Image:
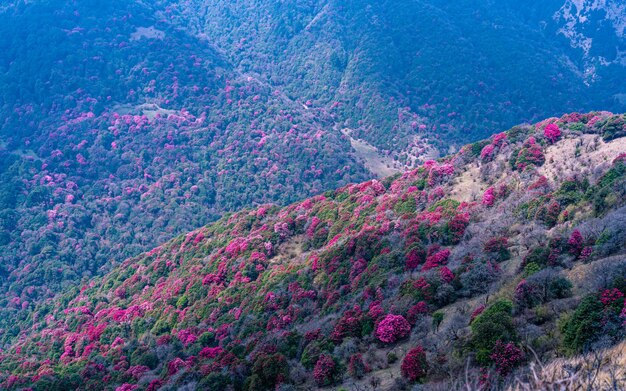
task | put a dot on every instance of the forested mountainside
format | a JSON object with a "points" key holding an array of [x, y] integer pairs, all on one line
{"points": [[126, 123], [120, 131], [465, 68], [469, 267]]}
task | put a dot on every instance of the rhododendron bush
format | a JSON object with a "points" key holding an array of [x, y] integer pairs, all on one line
{"points": [[506, 357], [324, 370], [392, 328], [552, 132], [414, 365]]}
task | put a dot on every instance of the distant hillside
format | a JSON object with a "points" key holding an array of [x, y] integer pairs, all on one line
{"points": [[405, 73], [511, 250], [120, 131]]}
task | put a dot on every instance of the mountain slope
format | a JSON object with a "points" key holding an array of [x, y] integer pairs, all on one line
{"points": [[126, 123], [430, 71], [329, 290], [127, 131]]}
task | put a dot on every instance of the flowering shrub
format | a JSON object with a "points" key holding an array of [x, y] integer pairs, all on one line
{"points": [[446, 275], [526, 295], [456, 227], [356, 367], [552, 132], [270, 369], [176, 365], [239, 300], [414, 366], [488, 197], [585, 254], [530, 154], [416, 311], [611, 296], [349, 325], [497, 249], [414, 258], [437, 259], [392, 328], [575, 242], [487, 152], [505, 357], [324, 370]]}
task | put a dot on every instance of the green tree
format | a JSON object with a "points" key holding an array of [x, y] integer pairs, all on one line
{"points": [[495, 323]]}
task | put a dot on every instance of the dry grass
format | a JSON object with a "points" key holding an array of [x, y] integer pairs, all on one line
{"points": [[379, 165], [593, 371], [580, 155]]}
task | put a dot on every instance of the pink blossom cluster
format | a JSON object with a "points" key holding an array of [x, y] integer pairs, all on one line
{"points": [[375, 310], [414, 365], [187, 337], [392, 328], [505, 357], [423, 287], [487, 152], [610, 296], [324, 370], [416, 311], [576, 242], [175, 366], [552, 132], [446, 275], [488, 197], [210, 352], [437, 259]]}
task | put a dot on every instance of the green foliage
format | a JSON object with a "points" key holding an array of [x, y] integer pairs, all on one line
{"points": [[405, 206], [530, 269], [207, 339], [560, 288], [313, 350], [182, 302], [267, 371], [610, 191], [613, 127], [478, 146], [538, 256], [215, 381], [495, 323], [162, 326], [448, 206], [144, 356], [583, 326], [570, 192], [437, 319]]}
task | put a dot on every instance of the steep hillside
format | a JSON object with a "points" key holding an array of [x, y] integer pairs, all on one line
{"points": [[126, 123], [597, 29], [512, 247], [120, 131]]}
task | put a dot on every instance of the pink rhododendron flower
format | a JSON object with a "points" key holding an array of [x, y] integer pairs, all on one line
{"points": [[392, 328], [414, 365], [505, 357], [488, 197], [552, 132]]}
